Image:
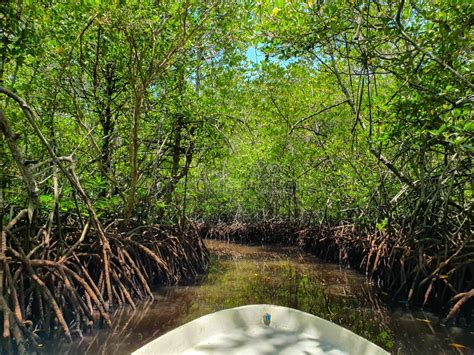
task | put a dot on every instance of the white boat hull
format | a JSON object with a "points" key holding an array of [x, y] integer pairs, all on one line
{"points": [[242, 330]]}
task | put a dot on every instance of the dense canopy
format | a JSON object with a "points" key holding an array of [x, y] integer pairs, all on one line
{"points": [[309, 113]]}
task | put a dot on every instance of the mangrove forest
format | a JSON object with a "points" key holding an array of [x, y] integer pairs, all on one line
{"points": [[147, 144]]}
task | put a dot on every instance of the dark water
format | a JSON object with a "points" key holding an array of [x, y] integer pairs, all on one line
{"points": [[241, 275]]}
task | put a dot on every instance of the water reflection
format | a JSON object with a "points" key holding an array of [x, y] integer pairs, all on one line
{"points": [[241, 275], [286, 282]]}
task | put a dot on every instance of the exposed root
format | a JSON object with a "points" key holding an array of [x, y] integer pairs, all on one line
{"points": [[419, 270], [461, 298], [68, 280]]}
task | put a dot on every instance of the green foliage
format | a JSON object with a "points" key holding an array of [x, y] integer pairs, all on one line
{"points": [[358, 112], [405, 75]]}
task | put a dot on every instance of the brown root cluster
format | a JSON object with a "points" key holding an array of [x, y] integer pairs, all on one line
{"points": [[60, 287], [433, 270]]}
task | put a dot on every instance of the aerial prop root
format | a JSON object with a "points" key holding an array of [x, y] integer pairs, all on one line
{"points": [[70, 283], [420, 268]]}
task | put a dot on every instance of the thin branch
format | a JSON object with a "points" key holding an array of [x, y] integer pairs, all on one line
{"points": [[316, 114]]}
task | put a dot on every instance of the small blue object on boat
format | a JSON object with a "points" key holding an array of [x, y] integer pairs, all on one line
{"points": [[267, 318]]}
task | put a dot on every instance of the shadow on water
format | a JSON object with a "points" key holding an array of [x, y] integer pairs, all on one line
{"points": [[240, 275]]}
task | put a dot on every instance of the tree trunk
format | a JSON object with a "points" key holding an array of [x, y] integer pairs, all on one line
{"points": [[3, 235], [24, 168], [108, 124], [134, 151]]}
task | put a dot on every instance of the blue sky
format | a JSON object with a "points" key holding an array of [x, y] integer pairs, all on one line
{"points": [[255, 55]]}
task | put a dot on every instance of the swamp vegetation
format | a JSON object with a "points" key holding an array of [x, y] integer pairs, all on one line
{"points": [[130, 130], [240, 274]]}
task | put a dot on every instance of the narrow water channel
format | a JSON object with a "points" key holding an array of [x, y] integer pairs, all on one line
{"points": [[240, 275]]}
